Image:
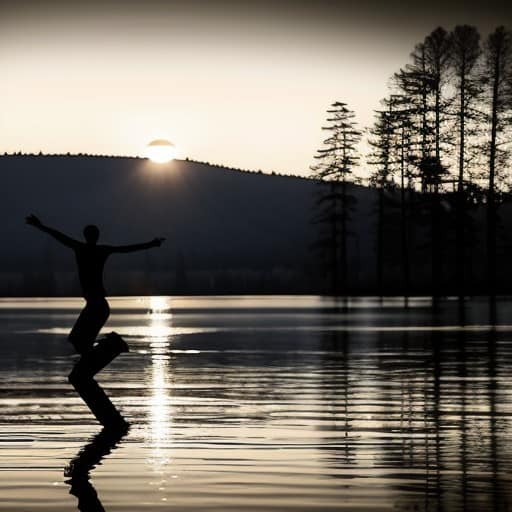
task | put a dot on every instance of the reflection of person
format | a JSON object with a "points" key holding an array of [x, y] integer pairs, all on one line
{"points": [[90, 456], [91, 258]]}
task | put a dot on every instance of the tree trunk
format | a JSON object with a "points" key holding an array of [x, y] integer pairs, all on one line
{"points": [[343, 240], [491, 198], [380, 242], [460, 214], [403, 220]]}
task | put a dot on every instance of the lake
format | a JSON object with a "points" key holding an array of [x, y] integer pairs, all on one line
{"points": [[262, 404]]}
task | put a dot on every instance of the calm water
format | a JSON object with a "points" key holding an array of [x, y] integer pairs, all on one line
{"points": [[263, 404]]}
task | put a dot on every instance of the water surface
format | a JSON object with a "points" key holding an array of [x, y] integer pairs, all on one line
{"points": [[263, 404]]}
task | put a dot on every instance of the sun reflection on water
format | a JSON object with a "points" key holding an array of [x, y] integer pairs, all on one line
{"points": [[160, 409]]}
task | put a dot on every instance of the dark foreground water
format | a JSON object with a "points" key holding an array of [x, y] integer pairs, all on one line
{"points": [[262, 404]]}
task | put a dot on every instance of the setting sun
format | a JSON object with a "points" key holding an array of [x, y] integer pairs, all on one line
{"points": [[161, 151]]}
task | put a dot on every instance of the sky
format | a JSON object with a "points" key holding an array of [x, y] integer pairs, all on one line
{"points": [[241, 84]]}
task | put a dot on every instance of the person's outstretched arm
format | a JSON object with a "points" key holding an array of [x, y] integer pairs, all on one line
{"points": [[156, 242], [32, 220]]}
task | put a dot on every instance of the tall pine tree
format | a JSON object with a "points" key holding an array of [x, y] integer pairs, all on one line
{"points": [[335, 203]]}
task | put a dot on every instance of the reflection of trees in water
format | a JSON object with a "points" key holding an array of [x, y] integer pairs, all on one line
{"points": [[462, 375], [461, 458], [437, 430], [235, 366], [335, 388]]}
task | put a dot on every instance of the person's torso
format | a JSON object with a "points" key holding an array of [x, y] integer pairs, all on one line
{"points": [[91, 262]]}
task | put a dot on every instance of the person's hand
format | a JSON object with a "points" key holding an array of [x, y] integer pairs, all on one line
{"points": [[157, 242], [32, 220]]}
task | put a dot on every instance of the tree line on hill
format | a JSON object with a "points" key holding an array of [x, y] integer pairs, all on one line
{"points": [[440, 150], [97, 155]]}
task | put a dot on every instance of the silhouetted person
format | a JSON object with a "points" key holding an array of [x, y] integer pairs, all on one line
{"points": [[96, 354]]}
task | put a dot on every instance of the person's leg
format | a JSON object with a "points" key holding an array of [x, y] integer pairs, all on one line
{"points": [[95, 358], [89, 324], [94, 396], [100, 355]]}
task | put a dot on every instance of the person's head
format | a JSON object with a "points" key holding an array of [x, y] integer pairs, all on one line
{"points": [[91, 234]]}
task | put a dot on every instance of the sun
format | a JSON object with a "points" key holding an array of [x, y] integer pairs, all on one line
{"points": [[161, 151]]}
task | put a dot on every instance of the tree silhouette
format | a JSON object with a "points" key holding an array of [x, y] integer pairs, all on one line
{"points": [[496, 79], [465, 51], [402, 112], [432, 172], [381, 141], [334, 171], [422, 82], [414, 83], [437, 54]]}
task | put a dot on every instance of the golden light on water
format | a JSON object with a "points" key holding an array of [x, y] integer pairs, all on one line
{"points": [[160, 408], [161, 151], [158, 305]]}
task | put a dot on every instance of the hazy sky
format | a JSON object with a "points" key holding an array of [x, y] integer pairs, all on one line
{"points": [[244, 84]]}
